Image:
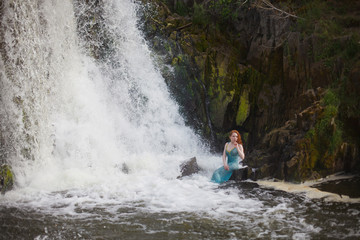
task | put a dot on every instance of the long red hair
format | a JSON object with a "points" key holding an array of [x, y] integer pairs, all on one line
{"points": [[239, 136]]}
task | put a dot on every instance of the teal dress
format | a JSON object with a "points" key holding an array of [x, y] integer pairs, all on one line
{"points": [[221, 175]]}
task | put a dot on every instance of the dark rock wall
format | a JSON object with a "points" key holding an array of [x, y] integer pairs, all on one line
{"points": [[228, 79], [264, 73]]}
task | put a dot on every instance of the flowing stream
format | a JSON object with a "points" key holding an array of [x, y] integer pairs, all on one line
{"points": [[95, 141]]}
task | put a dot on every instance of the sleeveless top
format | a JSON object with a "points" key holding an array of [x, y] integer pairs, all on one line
{"points": [[233, 158], [221, 175]]}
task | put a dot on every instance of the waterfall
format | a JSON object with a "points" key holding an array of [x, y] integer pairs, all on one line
{"points": [[81, 97], [82, 101]]}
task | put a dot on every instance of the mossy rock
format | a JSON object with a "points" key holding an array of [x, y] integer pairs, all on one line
{"points": [[244, 108], [6, 178]]}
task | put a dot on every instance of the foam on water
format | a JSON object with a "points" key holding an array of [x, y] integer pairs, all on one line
{"points": [[74, 121]]}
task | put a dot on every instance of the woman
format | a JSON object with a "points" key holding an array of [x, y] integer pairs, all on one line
{"points": [[233, 150]]}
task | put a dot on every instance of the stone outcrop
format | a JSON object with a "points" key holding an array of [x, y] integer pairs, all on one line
{"points": [[241, 174], [265, 76], [6, 178], [290, 152], [189, 167], [225, 79]]}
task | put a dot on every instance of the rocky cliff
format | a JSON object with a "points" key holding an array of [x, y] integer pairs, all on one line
{"points": [[286, 75]]}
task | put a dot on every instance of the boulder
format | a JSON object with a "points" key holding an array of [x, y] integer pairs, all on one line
{"points": [[240, 174], [189, 167]]}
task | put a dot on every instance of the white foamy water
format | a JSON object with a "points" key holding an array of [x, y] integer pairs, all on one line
{"points": [[74, 121]]}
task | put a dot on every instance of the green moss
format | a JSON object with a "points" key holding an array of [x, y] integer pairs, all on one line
{"points": [[201, 44], [329, 127], [7, 178], [310, 134], [168, 48], [308, 158], [244, 108], [330, 99], [179, 60], [321, 142], [323, 125]]}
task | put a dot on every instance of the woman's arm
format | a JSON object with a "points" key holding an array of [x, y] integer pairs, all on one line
{"points": [[240, 150], [226, 166]]}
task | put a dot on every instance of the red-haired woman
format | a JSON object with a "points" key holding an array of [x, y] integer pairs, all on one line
{"points": [[232, 151]]}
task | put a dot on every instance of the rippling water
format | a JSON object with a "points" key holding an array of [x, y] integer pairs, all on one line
{"points": [[255, 213]]}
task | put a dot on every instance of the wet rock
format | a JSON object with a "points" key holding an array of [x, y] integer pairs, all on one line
{"points": [[307, 118], [254, 75], [281, 152], [347, 157], [6, 178], [292, 169], [240, 174], [125, 168], [189, 167], [345, 185]]}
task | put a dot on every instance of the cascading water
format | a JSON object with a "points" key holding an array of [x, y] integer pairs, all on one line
{"points": [[72, 112], [74, 121], [81, 98]]}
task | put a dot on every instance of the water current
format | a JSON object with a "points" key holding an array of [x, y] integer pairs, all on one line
{"points": [[80, 99]]}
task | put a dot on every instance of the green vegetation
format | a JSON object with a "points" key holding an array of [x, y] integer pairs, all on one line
{"points": [[334, 32], [244, 108], [334, 27], [329, 128], [323, 141], [200, 16], [223, 10], [6, 178], [181, 8]]}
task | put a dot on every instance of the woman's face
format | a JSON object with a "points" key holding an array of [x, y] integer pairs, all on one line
{"points": [[233, 137]]}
